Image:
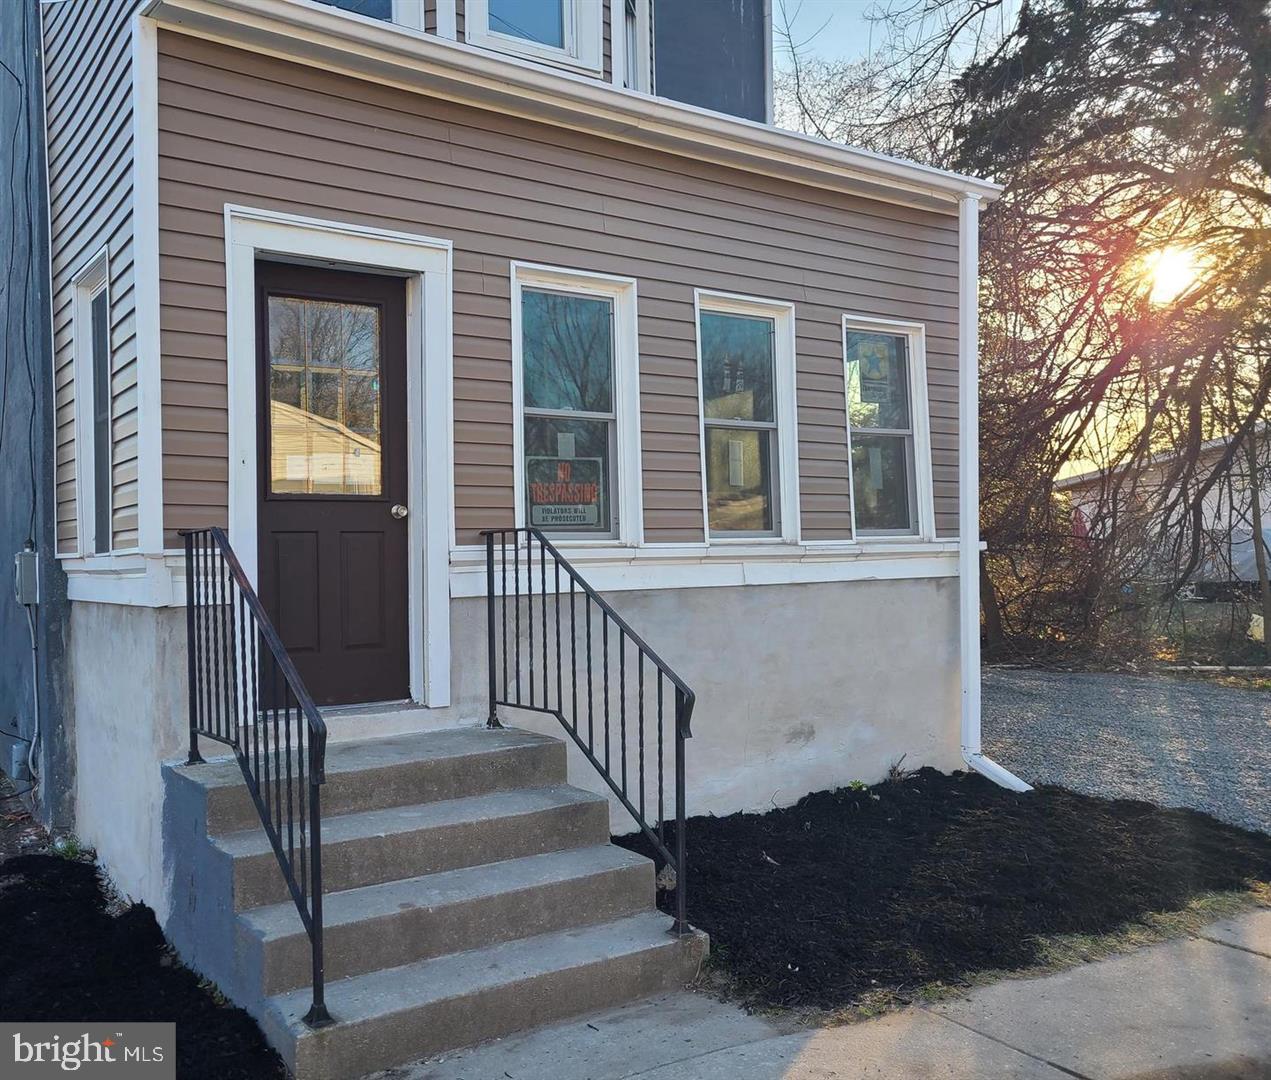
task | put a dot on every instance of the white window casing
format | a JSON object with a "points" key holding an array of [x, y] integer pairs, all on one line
{"points": [[627, 501], [89, 283], [921, 493], [785, 473], [409, 13], [583, 34], [633, 46]]}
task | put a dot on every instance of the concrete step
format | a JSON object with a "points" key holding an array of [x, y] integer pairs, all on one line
{"points": [[399, 922], [390, 1017], [410, 841], [397, 770]]}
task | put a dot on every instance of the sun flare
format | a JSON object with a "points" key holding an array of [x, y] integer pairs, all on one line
{"points": [[1171, 272]]}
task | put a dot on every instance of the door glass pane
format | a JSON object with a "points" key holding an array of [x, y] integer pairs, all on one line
{"points": [[737, 367], [567, 351], [877, 384], [880, 477], [739, 480], [324, 388], [567, 474], [541, 21]]}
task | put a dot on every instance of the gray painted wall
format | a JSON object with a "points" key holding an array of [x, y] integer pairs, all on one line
{"points": [[26, 439], [713, 54]]}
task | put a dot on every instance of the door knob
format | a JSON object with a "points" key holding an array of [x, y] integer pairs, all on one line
{"points": [[398, 511]]}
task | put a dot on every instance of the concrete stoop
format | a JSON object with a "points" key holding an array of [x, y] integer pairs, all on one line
{"points": [[470, 892]]}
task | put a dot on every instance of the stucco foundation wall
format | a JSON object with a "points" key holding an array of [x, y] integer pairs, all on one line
{"points": [[799, 687], [128, 671]]}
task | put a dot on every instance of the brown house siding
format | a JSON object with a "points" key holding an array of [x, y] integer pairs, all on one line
{"points": [[300, 140], [88, 86]]}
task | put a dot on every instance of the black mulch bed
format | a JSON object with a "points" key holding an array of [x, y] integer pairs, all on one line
{"points": [[64, 956], [934, 878]]}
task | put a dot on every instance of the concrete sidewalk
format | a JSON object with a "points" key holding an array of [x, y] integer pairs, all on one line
{"points": [[1192, 1009]]}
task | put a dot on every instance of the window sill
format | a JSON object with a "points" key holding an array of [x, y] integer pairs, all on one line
{"points": [[559, 61]]}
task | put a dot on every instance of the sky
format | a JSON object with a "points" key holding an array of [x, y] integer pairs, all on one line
{"points": [[842, 29], [838, 29]]}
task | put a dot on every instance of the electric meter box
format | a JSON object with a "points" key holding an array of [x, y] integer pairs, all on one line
{"points": [[26, 577]]}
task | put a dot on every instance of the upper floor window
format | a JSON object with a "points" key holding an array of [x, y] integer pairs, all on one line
{"points": [[565, 33], [374, 9], [887, 428]]}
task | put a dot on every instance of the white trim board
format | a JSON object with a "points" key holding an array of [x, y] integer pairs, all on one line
{"points": [[375, 50], [145, 230], [426, 264], [159, 581], [713, 571]]}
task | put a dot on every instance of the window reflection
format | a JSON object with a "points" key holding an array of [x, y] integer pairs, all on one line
{"points": [[738, 359], [541, 21], [324, 397], [567, 358], [881, 431]]}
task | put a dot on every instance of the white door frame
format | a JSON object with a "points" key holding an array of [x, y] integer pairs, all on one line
{"points": [[427, 266]]}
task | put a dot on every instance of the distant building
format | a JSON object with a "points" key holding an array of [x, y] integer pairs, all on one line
{"points": [[1103, 500]]}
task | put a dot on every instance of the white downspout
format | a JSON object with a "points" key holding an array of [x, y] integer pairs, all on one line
{"points": [[969, 493]]}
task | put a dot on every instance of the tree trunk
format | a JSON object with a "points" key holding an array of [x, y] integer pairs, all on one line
{"points": [[1259, 542], [994, 634]]}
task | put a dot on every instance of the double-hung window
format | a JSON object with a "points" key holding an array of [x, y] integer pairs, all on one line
{"points": [[564, 33], [575, 352], [92, 404], [887, 422], [747, 389]]}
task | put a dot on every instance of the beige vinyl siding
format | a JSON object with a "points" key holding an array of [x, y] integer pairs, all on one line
{"points": [[460, 24], [88, 77], [607, 40], [305, 141], [430, 16]]}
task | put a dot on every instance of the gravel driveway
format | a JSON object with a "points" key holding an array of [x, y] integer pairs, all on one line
{"points": [[1169, 741]]}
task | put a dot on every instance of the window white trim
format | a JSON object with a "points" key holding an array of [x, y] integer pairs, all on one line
{"points": [[627, 468], [785, 390], [145, 229], [626, 388], [426, 264], [448, 19], [641, 79], [409, 13], [920, 420], [583, 36], [89, 282]]}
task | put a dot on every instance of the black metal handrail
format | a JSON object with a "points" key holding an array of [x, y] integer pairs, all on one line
{"points": [[561, 679], [244, 689]]}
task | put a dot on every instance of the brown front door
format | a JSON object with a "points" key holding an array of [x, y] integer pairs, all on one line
{"points": [[331, 359]]}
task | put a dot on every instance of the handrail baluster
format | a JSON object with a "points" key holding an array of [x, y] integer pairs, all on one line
{"points": [[672, 872], [232, 647]]}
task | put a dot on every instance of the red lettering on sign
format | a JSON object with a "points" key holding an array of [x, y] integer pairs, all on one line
{"points": [[564, 493]]}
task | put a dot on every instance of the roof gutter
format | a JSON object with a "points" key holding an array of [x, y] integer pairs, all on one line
{"points": [[312, 33], [969, 498]]}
